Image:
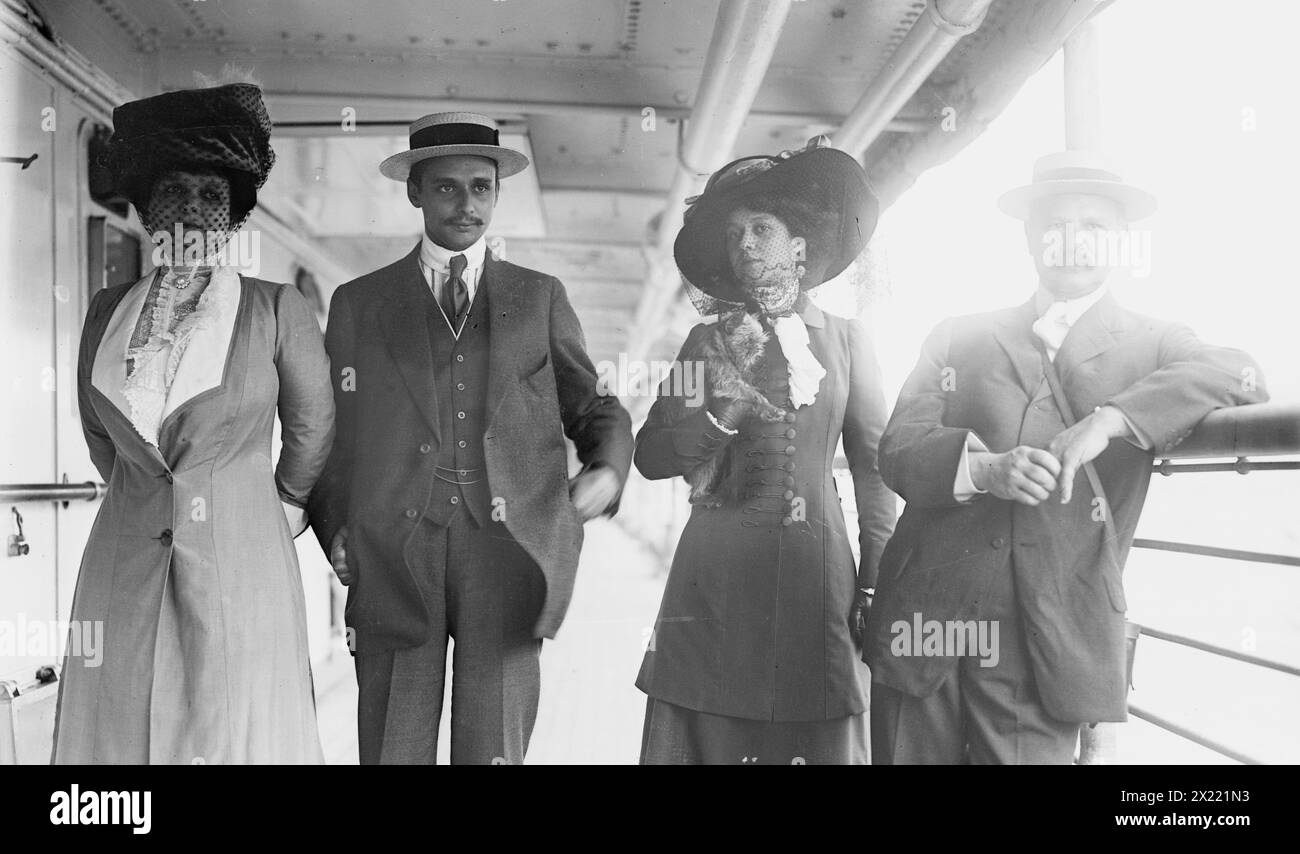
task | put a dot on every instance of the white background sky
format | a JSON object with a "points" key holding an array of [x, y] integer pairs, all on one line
{"points": [[1177, 82]]}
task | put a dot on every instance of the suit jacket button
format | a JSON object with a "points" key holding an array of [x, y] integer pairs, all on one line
{"points": [[461, 443], [455, 500], [410, 514], [460, 415], [166, 537], [460, 386], [425, 448], [169, 477], [460, 358], [997, 542]]}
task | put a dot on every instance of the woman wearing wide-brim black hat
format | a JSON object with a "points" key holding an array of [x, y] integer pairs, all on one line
{"points": [[754, 656], [190, 568]]}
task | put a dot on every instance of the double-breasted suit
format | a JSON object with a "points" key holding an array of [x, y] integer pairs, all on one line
{"points": [[1048, 570], [415, 406]]}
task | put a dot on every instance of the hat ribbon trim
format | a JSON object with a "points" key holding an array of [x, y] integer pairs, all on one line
{"points": [[1069, 173], [454, 133]]}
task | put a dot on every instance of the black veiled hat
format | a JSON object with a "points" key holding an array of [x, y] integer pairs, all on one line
{"points": [[827, 183], [221, 127]]}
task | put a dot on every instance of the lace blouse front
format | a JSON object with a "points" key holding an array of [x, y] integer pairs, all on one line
{"points": [[173, 311]]}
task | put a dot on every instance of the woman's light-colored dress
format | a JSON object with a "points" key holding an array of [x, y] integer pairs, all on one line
{"points": [[191, 565]]}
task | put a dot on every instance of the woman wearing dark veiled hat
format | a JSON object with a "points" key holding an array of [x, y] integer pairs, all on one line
{"points": [[190, 567], [754, 656]]}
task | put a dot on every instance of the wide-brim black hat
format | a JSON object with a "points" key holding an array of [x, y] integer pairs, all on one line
{"points": [[825, 181], [220, 127]]}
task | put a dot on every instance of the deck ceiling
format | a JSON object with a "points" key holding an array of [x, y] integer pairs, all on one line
{"points": [[570, 80]]}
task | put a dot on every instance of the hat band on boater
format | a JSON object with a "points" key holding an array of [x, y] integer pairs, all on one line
{"points": [[454, 133], [1074, 173]]}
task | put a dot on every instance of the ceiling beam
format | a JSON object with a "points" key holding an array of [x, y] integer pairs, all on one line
{"points": [[320, 114]]}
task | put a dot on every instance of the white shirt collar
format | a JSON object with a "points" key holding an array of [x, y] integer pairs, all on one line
{"points": [[437, 259], [1074, 308]]}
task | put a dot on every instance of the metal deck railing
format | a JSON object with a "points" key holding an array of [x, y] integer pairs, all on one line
{"points": [[1243, 432]]}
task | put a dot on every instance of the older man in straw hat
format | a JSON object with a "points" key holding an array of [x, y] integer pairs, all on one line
{"points": [[1022, 444], [446, 504]]}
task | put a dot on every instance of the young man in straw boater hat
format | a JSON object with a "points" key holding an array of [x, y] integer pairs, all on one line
{"points": [[446, 504], [1022, 444]]}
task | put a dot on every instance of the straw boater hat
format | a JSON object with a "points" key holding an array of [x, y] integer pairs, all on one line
{"points": [[816, 177], [1077, 172], [441, 134], [222, 127]]}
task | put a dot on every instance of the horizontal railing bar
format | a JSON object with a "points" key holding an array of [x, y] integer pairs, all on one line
{"points": [[1256, 430], [1242, 466], [1215, 551], [15, 492], [1184, 732], [1220, 651]]}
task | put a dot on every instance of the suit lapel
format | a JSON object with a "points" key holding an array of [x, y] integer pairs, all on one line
{"points": [[507, 298], [405, 328], [1015, 335], [1092, 334]]}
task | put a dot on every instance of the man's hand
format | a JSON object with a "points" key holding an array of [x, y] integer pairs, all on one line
{"points": [[593, 491], [1084, 442], [339, 556], [1024, 474]]}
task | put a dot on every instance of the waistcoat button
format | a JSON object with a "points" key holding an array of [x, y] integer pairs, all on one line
{"points": [[455, 500], [425, 448], [410, 514]]}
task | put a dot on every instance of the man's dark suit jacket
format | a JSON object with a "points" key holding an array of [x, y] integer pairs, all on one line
{"points": [[983, 374], [541, 387]]}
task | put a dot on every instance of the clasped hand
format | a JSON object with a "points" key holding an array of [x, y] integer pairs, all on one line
{"points": [[1030, 475]]}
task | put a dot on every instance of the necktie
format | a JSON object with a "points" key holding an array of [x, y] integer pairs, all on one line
{"points": [[1053, 326], [455, 295]]}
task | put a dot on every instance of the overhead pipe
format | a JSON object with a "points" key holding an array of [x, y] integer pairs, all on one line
{"points": [[744, 39], [931, 38], [995, 71]]}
